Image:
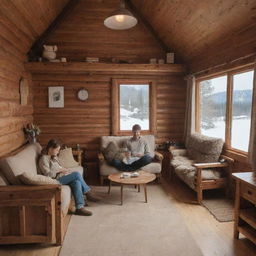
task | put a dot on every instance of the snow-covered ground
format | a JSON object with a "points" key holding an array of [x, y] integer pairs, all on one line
{"points": [[239, 134], [126, 121]]}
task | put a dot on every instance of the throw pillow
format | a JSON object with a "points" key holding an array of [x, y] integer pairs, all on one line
{"points": [[66, 158], [112, 151], [36, 179]]}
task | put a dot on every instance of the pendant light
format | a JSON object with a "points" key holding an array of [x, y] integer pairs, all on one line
{"points": [[120, 19]]}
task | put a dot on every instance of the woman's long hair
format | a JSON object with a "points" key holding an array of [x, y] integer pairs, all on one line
{"points": [[53, 143]]}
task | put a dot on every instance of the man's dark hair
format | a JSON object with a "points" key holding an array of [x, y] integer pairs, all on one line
{"points": [[136, 127]]}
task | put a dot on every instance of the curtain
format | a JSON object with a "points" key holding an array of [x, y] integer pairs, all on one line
{"points": [[190, 108], [252, 142]]}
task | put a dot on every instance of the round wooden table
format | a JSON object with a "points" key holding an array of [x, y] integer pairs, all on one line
{"points": [[142, 179]]}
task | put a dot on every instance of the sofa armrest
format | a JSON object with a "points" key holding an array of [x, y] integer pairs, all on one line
{"points": [[210, 165], [228, 159], [158, 156], [101, 157], [46, 202], [29, 188]]}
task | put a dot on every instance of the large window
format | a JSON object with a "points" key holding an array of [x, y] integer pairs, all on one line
{"points": [[213, 94], [241, 110], [224, 108], [133, 102]]}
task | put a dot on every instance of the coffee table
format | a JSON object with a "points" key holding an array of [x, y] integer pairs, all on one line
{"points": [[144, 178]]}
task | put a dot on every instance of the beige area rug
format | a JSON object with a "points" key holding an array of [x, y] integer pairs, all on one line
{"points": [[135, 228], [222, 209]]}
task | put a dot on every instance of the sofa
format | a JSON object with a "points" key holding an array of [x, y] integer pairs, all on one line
{"points": [[201, 165], [31, 213], [105, 169]]}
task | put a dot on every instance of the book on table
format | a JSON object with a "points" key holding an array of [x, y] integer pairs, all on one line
{"points": [[127, 175]]}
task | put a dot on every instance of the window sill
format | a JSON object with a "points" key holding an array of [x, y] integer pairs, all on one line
{"points": [[237, 155]]}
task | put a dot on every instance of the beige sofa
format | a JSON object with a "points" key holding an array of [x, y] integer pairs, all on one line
{"points": [[21, 206], [105, 169], [198, 165]]}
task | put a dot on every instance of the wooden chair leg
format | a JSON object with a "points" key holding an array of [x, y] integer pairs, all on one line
{"points": [[199, 195], [101, 180]]}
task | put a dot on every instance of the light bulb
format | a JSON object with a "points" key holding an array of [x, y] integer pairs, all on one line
{"points": [[119, 18]]}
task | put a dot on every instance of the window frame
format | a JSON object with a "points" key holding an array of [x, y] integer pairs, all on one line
{"points": [[229, 102], [115, 107]]}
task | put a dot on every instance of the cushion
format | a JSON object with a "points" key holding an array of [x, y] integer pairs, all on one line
{"points": [[112, 151], [65, 198], [178, 152], [3, 181], [24, 161], [79, 169], [66, 158], [204, 149], [106, 169], [36, 179]]}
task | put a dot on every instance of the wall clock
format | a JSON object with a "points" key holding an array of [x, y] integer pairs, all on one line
{"points": [[82, 94]]}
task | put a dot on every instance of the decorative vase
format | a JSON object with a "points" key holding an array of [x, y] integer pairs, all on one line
{"points": [[49, 52], [32, 139]]}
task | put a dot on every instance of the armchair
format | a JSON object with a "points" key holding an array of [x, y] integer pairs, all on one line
{"points": [[105, 169], [199, 165]]}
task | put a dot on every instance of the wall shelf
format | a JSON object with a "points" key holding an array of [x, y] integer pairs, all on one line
{"points": [[84, 67]]}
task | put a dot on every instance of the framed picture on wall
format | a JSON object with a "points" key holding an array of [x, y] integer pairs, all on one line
{"points": [[56, 97]]}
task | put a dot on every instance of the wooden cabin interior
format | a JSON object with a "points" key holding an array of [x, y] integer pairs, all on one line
{"points": [[64, 70]]}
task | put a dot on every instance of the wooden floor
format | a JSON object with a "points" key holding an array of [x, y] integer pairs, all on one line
{"points": [[214, 238]]}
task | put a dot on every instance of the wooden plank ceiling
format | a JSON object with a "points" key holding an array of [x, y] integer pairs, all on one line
{"points": [[203, 33], [82, 34]]}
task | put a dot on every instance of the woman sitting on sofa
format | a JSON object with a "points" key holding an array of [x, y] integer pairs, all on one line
{"points": [[51, 167]]}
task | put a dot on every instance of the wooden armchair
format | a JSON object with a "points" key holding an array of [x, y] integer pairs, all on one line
{"points": [[200, 165], [201, 184]]}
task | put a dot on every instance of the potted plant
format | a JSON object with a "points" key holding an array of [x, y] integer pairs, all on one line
{"points": [[32, 131]]}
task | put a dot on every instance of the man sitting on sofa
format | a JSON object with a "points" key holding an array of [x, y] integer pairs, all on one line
{"points": [[137, 154]]}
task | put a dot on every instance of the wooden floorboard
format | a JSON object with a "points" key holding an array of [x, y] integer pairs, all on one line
{"points": [[212, 237]]}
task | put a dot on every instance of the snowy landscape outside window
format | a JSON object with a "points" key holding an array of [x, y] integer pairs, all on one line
{"points": [[224, 109], [134, 106], [241, 110], [213, 94]]}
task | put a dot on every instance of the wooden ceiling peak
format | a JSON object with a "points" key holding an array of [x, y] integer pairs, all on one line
{"points": [[203, 33]]}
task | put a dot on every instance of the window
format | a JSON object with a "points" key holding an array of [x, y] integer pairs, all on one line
{"points": [[133, 102], [241, 110], [224, 108], [134, 106], [213, 94]]}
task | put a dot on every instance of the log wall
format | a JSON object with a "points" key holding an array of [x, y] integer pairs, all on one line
{"points": [[85, 122], [19, 26]]}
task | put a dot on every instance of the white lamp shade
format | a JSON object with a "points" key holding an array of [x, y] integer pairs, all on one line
{"points": [[120, 20]]}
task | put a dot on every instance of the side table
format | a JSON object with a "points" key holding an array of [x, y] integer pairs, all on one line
{"points": [[245, 211]]}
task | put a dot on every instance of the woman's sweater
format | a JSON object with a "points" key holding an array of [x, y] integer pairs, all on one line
{"points": [[50, 166]]}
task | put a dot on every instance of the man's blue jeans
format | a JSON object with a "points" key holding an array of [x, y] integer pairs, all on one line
{"points": [[120, 165], [78, 187]]}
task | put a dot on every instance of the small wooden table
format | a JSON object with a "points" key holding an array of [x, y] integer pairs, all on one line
{"points": [[245, 211], [142, 179]]}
